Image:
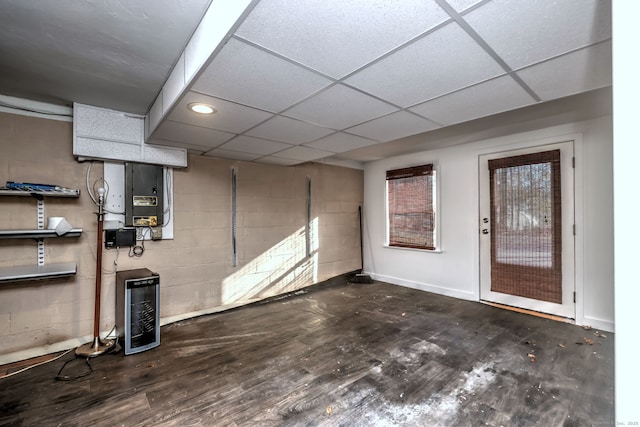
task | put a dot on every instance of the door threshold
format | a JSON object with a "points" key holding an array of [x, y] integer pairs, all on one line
{"points": [[531, 312]]}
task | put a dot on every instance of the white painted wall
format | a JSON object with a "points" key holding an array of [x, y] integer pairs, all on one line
{"points": [[454, 270]]}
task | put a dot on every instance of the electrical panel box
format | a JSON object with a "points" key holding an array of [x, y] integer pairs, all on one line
{"points": [[143, 195], [138, 309]]}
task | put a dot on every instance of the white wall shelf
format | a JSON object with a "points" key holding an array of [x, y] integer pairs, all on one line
{"points": [[37, 234], [39, 271]]}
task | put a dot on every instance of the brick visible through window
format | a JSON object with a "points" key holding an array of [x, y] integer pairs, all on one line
{"points": [[410, 201]]}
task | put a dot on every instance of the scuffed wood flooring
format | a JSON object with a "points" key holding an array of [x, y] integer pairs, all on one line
{"points": [[336, 355]]}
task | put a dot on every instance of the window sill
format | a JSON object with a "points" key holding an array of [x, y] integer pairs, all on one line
{"points": [[431, 251]]}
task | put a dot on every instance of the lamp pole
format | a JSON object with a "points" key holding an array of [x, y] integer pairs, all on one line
{"points": [[97, 346]]}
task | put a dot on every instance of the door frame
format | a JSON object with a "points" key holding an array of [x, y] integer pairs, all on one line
{"points": [[568, 307]]}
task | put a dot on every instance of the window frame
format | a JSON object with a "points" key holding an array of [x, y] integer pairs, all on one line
{"points": [[434, 171]]}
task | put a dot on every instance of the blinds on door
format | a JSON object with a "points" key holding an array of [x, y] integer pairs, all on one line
{"points": [[526, 245]]}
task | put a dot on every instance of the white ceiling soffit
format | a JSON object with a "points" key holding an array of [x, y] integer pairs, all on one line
{"points": [[336, 81], [114, 54]]}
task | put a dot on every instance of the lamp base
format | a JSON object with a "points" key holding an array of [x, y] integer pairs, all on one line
{"points": [[95, 348]]}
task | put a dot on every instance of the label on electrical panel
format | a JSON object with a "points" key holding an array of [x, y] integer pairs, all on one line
{"points": [[145, 221], [145, 201]]}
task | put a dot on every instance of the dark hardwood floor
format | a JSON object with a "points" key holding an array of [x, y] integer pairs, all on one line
{"points": [[336, 355]]}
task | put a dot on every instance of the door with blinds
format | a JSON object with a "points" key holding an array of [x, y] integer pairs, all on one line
{"points": [[526, 229]]}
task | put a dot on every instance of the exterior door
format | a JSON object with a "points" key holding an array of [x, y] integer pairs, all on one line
{"points": [[526, 229]]}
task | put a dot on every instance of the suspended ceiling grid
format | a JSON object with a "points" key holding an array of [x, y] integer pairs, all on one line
{"points": [[315, 79]]}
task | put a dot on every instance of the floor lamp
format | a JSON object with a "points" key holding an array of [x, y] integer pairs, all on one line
{"points": [[97, 346]]}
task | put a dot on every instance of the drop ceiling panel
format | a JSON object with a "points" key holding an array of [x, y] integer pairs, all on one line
{"points": [[234, 155], [253, 77], [288, 130], [337, 37], [231, 117], [494, 96], [580, 71], [286, 56], [340, 142], [192, 148], [524, 32], [339, 107], [190, 134], [304, 154], [394, 126], [444, 61], [252, 145], [460, 5], [271, 160]]}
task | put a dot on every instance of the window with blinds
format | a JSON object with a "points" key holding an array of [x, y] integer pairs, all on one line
{"points": [[411, 207]]}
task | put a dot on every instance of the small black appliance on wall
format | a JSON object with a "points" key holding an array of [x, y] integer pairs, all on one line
{"points": [[143, 195], [138, 309], [119, 238]]}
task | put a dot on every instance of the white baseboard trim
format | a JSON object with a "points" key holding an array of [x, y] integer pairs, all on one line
{"points": [[46, 349], [212, 310], [469, 296], [76, 342], [601, 324]]}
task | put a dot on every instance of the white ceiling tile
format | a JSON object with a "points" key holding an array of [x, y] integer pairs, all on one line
{"points": [[340, 142], [580, 71], [481, 100], [250, 76], [192, 148], [231, 117], [212, 31], [249, 144], [460, 5], [393, 126], [288, 130], [444, 61], [337, 37], [271, 160], [229, 154], [305, 154], [340, 107], [190, 134], [524, 32]]}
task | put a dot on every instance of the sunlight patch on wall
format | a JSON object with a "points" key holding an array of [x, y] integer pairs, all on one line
{"points": [[285, 267]]}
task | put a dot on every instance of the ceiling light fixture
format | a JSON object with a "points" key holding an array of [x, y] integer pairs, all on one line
{"points": [[200, 108]]}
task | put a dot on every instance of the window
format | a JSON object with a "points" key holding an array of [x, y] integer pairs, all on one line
{"points": [[411, 207]]}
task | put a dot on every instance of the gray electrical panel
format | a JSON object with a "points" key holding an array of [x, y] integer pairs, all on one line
{"points": [[143, 195]]}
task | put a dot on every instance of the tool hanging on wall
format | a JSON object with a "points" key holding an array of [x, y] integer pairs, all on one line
{"points": [[361, 277]]}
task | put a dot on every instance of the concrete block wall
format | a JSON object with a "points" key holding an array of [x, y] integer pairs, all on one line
{"points": [[36, 314], [196, 270]]}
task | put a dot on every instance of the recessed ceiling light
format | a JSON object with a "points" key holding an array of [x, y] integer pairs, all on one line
{"points": [[200, 108]]}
